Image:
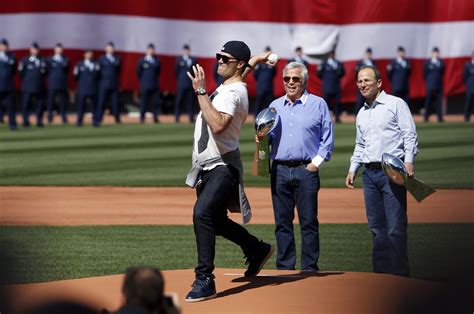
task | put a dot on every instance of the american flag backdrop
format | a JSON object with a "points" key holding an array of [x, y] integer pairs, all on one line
{"points": [[316, 25]]}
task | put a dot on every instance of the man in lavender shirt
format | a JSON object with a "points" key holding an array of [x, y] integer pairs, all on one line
{"points": [[300, 143]]}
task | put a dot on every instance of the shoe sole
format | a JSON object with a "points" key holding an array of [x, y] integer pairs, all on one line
{"points": [[212, 296], [270, 253]]}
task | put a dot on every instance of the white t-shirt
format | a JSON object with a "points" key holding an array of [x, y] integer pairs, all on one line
{"points": [[231, 99]]}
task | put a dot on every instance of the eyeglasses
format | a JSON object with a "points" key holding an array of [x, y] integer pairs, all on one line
{"points": [[366, 82], [225, 59], [295, 79]]}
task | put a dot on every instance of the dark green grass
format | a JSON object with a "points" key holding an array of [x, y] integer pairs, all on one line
{"points": [[160, 155], [41, 253]]}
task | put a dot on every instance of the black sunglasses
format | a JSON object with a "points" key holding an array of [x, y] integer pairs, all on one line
{"points": [[225, 59], [295, 79]]}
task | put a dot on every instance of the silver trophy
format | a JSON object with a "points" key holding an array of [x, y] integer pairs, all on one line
{"points": [[395, 169], [265, 122]]}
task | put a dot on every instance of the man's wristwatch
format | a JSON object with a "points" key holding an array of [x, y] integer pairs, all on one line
{"points": [[201, 91]]}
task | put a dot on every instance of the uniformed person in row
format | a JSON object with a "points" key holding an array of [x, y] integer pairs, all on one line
{"points": [[264, 74], [331, 72], [367, 60], [148, 72], [399, 70], [468, 76], [299, 57], [7, 75], [433, 71], [33, 72], [110, 66], [184, 90], [86, 73], [57, 70]]}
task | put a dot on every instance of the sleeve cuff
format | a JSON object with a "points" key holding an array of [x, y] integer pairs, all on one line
{"points": [[409, 158], [318, 161], [354, 167]]}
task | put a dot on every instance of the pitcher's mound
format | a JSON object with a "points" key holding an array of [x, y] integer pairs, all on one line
{"points": [[270, 292]]}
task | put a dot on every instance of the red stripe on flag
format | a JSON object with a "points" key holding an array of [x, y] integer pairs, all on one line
{"points": [[282, 11]]}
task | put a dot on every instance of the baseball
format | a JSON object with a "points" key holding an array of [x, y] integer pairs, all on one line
{"points": [[273, 58]]}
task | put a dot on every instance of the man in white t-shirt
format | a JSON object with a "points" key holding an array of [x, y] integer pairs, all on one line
{"points": [[217, 168]]}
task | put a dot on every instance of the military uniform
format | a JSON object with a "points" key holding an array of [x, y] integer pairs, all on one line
{"points": [[469, 81], [86, 73], [110, 66], [331, 71], [399, 71], [264, 75], [148, 71], [185, 91], [433, 73], [32, 71], [7, 74], [57, 69]]}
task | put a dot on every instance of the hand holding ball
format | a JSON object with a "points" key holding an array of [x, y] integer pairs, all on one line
{"points": [[272, 59]]}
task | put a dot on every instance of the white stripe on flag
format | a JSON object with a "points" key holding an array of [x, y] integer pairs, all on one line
{"points": [[133, 33]]}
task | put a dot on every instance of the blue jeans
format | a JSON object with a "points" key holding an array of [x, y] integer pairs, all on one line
{"points": [[386, 207], [295, 186], [210, 219]]}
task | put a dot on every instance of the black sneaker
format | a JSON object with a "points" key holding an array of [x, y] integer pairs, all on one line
{"points": [[258, 259], [204, 288]]}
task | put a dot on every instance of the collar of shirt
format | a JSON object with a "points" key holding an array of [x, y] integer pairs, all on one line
{"points": [[301, 100], [381, 98]]}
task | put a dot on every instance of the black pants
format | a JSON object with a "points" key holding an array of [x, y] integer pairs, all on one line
{"points": [[185, 97], [468, 105], [81, 106], [27, 99], [62, 103], [333, 100], [104, 94], [210, 218], [434, 96], [145, 95], [6, 102]]}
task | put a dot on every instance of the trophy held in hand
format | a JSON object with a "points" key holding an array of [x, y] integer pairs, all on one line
{"points": [[394, 168], [265, 122]]}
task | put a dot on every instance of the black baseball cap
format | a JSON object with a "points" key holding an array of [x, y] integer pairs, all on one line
{"points": [[238, 49], [151, 46], [4, 41], [34, 45], [401, 49]]}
